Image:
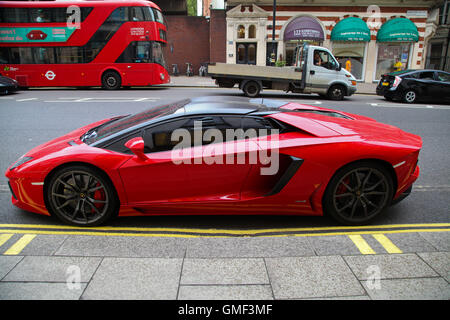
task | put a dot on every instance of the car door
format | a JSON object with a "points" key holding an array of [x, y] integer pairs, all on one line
{"points": [[443, 85], [425, 84], [219, 159], [322, 71], [160, 178]]}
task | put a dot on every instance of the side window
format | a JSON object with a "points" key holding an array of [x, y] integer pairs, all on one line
{"points": [[159, 137], [148, 14], [119, 15], [136, 14], [4, 55], [40, 15], [427, 75], [44, 55], [70, 55], [442, 76], [324, 59], [119, 145]]}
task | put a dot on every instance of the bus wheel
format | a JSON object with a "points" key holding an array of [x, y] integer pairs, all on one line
{"points": [[111, 80]]}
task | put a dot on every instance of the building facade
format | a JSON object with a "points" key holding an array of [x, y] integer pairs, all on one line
{"points": [[439, 45], [367, 39]]}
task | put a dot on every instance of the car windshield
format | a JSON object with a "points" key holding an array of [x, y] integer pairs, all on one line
{"points": [[122, 123]]}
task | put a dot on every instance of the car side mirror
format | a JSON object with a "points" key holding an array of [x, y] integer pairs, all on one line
{"points": [[136, 145], [339, 67]]}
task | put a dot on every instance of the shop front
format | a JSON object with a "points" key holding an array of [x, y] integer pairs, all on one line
{"points": [[299, 30], [395, 41], [349, 40]]}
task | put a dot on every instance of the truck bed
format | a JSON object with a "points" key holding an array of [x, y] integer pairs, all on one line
{"points": [[244, 71]]}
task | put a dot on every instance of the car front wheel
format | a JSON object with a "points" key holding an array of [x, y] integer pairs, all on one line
{"points": [[81, 196]]}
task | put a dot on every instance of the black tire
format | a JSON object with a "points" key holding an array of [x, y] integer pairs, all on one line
{"points": [[358, 193], [410, 96], [81, 196], [336, 92], [251, 89], [111, 80]]}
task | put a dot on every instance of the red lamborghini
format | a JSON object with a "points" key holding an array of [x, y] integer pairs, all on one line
{"points": [[220, 155]]}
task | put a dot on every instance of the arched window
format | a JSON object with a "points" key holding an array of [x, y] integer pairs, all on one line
{"points": [[241, 32], [252, 31]]}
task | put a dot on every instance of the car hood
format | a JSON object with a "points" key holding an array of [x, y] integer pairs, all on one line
{"points": [[62, 142]]}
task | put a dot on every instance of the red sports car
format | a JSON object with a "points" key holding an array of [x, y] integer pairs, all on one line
{"points": [[220, 155]]}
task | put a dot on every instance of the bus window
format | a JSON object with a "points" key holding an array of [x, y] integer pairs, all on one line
{"points": [[158, 16], [22, 55], [137, 14], [148, 14], [14, 15], [40, 15], [4, 55], [119, 15], [70, 55], [44, 55]]}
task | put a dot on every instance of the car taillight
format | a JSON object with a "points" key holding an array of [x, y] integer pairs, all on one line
{"points": [[397, 81]]}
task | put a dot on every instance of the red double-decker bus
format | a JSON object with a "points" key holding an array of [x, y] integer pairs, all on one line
{"points": [[83, 43]]}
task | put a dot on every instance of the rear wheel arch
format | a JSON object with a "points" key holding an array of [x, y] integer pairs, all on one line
{"points": [[376, 169]]}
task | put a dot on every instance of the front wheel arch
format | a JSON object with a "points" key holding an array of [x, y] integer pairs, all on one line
{"points": [[71, 164]]}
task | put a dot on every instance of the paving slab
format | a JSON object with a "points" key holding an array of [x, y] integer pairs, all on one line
{"points": [[409, 289], [333, 245], [439, 261], [117, 246], [312, 277], [224, 271], [229, 292], [410, 242], [135, 279], [39, 291], [43, 245], [249, 247], [7, 263], [53, 269], [389, 266], [439, 240]]}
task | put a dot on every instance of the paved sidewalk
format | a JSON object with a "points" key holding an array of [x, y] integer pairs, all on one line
{"points": [[206, 82], [208, 268]]}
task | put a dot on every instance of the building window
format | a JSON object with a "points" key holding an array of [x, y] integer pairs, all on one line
{"points": [[387, 56], [241, 32], [252, 32]]}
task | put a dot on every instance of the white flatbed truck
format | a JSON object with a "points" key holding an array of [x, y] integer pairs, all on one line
{"points": [[315, 70]]}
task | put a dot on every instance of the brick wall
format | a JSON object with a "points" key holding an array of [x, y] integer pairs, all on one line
{"points": [[188, 41], [217, 36]]}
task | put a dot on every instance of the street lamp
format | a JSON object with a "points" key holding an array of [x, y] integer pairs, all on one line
{"points": [[273, 54]]}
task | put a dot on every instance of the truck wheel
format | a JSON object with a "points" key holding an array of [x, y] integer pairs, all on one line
{"points": [[251, 89], [336, 92]]}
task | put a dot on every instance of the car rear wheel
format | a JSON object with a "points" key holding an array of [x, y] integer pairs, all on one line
{"points": [[410, 96], [358, 193], [81, 196]]}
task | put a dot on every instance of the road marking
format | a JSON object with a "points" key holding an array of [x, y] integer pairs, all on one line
{"points": [[17, 247], [4, 238], [386, 243], [361, 244], [28, 99]]}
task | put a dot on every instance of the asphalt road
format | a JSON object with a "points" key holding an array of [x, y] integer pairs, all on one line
{"points": [[32, 117]]}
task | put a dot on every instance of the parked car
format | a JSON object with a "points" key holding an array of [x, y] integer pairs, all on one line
{"points": [[8, 85], [321, 161], [412, 85]]}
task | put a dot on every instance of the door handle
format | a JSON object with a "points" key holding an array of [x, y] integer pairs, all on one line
{"points": [[312, 72]]}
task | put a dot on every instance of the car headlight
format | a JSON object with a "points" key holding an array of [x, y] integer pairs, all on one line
{"points": [[20, 162]]}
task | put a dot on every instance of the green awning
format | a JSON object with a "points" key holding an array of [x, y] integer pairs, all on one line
{"points": [[350, 29], [398, 30]]}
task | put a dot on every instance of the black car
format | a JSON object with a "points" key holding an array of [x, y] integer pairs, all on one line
{"points": [[8, 85], [412, 85]]}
